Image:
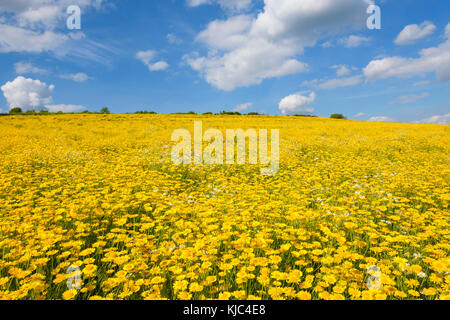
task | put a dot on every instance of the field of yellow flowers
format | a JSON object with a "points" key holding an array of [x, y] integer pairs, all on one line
{"points": [[99, 192]]}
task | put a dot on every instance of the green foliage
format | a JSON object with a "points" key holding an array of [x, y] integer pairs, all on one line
{"points": [[104, 110], [229, 113], [15, 111], [337, 116], [305, 115], [145, 112]]}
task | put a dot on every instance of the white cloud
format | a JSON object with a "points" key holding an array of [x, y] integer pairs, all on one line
{"points": [[47, 15], [242, 107], [359, 115], [16, 39], [296, 103], [409, 98], [327, 44], [328, 84], [447, 31], [381, 119], [64, 108], [414, 32], [42, 13], [227, 34], [421, 83], [434, 59], [32, 25], [173, 39], [244, 50], [77, 77], [19, 6], [439, 119], [147, 56], [25, 67], [27, 93], [233, 5], [354, 41], [341, 70], [77, 35]]}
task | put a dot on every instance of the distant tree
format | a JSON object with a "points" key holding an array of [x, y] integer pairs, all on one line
{"points": [[43, 111], [337, 116], [15, 111], [305, 115], [104, 110], [207, 113], [85, 111], [30, 112], [253, 114], [230, 113], [145, 112]]}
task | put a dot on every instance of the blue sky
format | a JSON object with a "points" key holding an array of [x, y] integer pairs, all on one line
{"points": [[272, 56]]}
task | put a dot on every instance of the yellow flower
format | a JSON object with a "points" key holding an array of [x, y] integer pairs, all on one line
{"points": [[180, 285], [69, 294], [413, 293], [331, 279], [100, 192], [87, 252], [380, 296], [429, 291], [303, 295], [89, 270], [195, 287], [184, 295], [224, 296]]}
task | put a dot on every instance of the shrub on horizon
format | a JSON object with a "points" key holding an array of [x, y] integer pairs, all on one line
{"points": [[337, 116]]}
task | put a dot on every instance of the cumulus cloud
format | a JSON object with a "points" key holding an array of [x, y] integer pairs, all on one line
{"points": [[39, 13], [77, 77], [409, 98], [438, 119], [27, 94], [16, 39], [25, 67], [353, 41], [296, 103], [359, 115], [434, 59], [242, 107], [413, 32], [32, 25], [64, 108], [328, 84], [245, 49], [173, 39], [341, 70], [381, 119], [147, 58], [233, 5]]}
